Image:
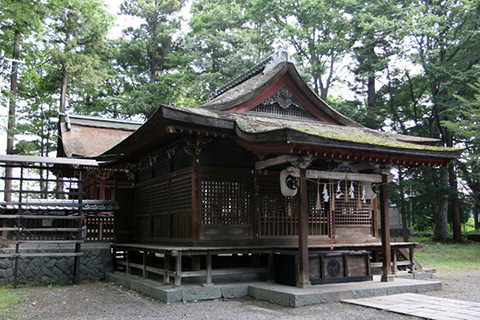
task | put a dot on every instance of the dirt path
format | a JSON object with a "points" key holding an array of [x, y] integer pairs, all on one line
{"points": [[105, 301]]}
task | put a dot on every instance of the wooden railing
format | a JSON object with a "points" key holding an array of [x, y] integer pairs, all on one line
{"points": [[41, 230], [28, 182]]}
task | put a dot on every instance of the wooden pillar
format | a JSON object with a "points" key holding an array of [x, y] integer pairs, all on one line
{"points": [[178, 268], [386, 250], [166, 267], [208, 266], [195, 205], [304, 272]]}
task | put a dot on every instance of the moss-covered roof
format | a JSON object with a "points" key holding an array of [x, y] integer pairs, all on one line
{"points": [[255, 124]]}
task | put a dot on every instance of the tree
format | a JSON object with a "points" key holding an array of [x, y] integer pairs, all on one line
{"points": [[320, 31], [226, 38], [18, 19], [76, 30], [466, 128], [446, 38], [377, 34], [151, 55]]}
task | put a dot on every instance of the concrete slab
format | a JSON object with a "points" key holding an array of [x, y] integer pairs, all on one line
{"points": [[297, 297], [275, 293], [422, 306]]}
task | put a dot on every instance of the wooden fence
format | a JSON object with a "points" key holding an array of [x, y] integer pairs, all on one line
{"points": [[99, 228]]}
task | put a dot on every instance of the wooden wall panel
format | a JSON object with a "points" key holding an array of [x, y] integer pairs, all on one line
{"points": [[226, 203]]}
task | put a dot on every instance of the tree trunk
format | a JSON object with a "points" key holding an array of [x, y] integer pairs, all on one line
{"points": [[456, 219], [11, 113], [63, 90], [476, 209], [403, 208], [440, 231], [63, 94], [371, 97]]}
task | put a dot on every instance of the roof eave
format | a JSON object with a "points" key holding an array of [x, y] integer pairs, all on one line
{"points": [[285, 135]]}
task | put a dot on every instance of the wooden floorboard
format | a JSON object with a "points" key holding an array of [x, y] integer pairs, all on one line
{"points": [[422, 306]]}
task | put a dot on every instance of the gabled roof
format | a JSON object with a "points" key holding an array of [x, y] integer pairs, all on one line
{"points": [[230, 113], [254, 87], [85, 136]]}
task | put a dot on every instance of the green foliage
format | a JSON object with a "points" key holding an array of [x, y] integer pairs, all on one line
{"points": [[226, 38], [75, 34], [321, 33]]}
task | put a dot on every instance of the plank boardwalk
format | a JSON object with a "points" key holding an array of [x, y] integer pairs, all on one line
{"points": [[422, 306]]}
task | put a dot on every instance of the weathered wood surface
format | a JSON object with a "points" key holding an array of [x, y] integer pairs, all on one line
{"points": [[342, 176], [37, 159], [358, 246], [422, 306]]}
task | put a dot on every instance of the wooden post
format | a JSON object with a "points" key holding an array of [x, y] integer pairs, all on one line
{"points": [[166, 267], [195, 206], [178, 269], [412, 261], [76, 265], [208, 266], [386, 250], [144, 264], [256, 214], [375, 217], [15, 271], [304, 273], [394, 260], [271, 269], [20, 194]]}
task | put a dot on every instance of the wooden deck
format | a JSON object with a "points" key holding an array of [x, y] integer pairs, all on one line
{"points": [[164, 255]]}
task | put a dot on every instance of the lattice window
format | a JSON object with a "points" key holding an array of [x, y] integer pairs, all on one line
{"points": [[226, 199], [351, 210], [279, 215], [290, 112], [318, 216]]}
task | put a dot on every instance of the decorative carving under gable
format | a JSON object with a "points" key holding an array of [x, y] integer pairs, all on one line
{"points": [[193, 147], [283, 103], [147, 162], [284, 99], [171, 153]]}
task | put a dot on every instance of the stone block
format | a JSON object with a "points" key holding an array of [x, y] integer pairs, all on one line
{"points": [[234, 291], [195, 293], [5, 264], [277, 297]]}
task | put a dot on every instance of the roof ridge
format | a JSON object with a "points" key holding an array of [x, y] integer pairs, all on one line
{"points": [[274, 59]]}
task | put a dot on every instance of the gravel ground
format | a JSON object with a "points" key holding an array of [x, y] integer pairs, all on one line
{"points": [[460, 285], [106, 301]]}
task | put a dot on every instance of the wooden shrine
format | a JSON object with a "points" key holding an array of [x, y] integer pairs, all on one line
{"points": [[264, 166]]}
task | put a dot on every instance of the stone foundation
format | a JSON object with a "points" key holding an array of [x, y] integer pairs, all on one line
{"points": [[94, 264]]}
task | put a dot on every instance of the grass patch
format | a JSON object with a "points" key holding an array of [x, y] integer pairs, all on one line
{"points": [[9, 299], [446, 257]]}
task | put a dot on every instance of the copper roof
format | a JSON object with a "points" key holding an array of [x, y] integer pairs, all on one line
{"points": [[91, 136]]}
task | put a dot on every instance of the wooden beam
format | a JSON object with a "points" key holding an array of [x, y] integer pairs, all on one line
{"points": [[259, 165], [304, 272], [386, 248], [9, 158], [330, 175]]}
